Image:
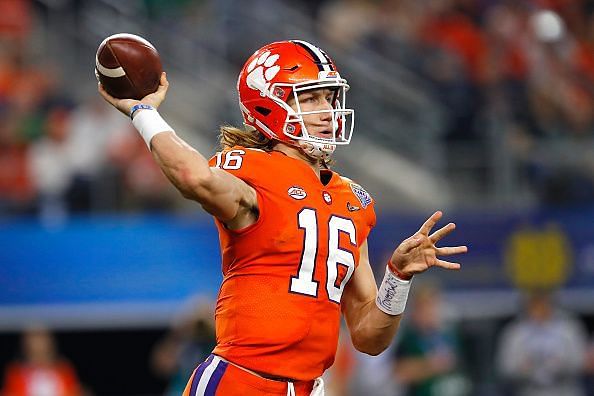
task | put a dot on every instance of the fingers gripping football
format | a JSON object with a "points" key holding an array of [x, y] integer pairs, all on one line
{"points": [[418, 253], [125, 105]]}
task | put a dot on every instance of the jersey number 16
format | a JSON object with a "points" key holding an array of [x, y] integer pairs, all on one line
{"points": [[304, 282]]}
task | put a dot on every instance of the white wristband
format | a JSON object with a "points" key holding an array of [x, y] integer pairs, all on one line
{"points": [[149, 123], [392, 294]]}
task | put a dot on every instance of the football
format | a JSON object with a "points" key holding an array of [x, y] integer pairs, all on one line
{"points": [[128, 66]]}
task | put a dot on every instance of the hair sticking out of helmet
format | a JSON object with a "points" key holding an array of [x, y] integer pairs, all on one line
{"points": [[280, 71]]}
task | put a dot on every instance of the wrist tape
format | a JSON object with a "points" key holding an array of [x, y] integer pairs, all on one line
{"points": [[139, 106], [149, 123], [392, 294]]}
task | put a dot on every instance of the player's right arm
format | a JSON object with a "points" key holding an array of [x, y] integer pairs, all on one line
{"points": [[221, 194], [225, 196]]}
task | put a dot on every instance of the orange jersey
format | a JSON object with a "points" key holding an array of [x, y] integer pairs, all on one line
{"points": [[278, 310]]}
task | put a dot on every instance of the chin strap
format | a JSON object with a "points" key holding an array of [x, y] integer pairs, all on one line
{"points": [[317, 150]]}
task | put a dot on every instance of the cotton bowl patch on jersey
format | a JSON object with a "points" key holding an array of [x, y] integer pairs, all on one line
{"points": [[297, 192], [362, 195]]}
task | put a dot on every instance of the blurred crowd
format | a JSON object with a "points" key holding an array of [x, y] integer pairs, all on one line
{"points": [[543, 350], [40, 370], [59, 156], [524, 67], [532, 60]]}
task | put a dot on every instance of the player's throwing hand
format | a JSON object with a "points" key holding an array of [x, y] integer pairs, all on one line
{"points": [[125, 105]]}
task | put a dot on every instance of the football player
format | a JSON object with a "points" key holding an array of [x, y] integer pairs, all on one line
{"points": [[293, 233]]}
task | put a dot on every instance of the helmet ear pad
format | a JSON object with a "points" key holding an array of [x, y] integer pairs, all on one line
{"points": [[273, 117]]}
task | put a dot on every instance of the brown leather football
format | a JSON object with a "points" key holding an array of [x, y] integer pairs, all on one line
{"points": [[128, 66]]}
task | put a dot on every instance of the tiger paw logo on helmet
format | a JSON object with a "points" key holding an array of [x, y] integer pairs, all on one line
{"points": [[261, 71]]}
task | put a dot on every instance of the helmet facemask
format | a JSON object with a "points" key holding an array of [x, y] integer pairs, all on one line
{"points": [[294, 125]]}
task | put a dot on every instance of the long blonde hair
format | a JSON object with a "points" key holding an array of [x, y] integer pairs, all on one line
{"points": [[250, 137]]}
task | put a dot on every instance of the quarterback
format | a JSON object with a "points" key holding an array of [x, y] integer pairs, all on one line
{"points": [[293, 233]]}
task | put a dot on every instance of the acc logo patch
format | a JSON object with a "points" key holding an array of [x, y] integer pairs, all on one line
{"points": [[362, 195], [328, 74], [297, 192]]}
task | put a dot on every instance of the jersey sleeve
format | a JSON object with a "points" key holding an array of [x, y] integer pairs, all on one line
{"points": [[244, 163]]}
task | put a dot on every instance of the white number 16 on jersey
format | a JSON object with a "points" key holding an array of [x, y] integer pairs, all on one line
{"points": [[231, 159], [304, 282]]}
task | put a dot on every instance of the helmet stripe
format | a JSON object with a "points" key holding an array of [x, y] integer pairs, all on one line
{"points": [[321, 59], [327, 58]]}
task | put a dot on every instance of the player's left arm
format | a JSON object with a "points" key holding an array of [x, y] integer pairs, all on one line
{"points": [[372, 329]]}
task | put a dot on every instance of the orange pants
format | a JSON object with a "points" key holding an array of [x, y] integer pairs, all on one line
{"points": [[216, 377]]}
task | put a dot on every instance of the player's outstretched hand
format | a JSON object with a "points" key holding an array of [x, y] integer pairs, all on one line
{"points": [[418, 253], [125, 105]]}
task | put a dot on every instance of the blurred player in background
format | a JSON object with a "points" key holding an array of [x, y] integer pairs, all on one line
{"points": [[40, 371], [187, 344], [427, 355], [293, 233], [543, 351]]}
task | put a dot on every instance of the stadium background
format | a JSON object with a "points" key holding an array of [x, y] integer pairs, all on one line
{"points": [[481, 108]]}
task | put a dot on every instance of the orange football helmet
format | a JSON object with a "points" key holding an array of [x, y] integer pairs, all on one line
{"points": [[281, 70]]}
